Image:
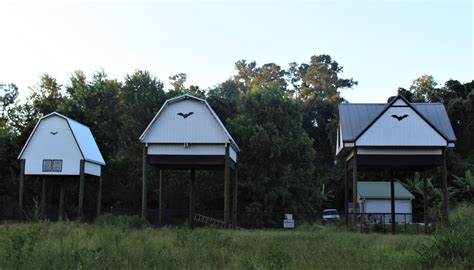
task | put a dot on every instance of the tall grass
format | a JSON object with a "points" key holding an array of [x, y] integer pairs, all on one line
{"points": [[80, 246], [452, 244]]}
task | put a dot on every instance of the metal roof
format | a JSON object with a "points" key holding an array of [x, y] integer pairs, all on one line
{"points": [[83, 136], [355, 117], [184, 97], [381, 190]]}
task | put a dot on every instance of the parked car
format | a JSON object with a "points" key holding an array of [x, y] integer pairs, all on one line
{"points": [[330, 215]]}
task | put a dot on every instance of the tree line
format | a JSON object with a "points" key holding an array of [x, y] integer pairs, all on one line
{"points": [[284, 120]]}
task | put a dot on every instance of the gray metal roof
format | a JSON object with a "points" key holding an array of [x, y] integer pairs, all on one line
{"points": [[381, 190], [355, 117]]}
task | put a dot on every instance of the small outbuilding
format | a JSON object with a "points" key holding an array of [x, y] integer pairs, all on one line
{"points": [[374, 202], [61, 147], [186, 134]]}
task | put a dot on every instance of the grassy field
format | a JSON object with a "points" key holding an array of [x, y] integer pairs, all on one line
{"points": [[70, 245], [126, 243]]}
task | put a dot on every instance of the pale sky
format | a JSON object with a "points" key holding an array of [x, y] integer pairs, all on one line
{"points": [[382, 45]]}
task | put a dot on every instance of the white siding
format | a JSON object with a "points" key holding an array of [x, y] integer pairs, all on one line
{"points": [[399, 102], [397, 151], [410, 131], [92, 168], [44, 145], [232, 154], [383, 206], [339, 142], [193, 149], [200, 127]]}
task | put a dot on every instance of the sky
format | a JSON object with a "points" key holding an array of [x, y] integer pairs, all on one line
{"points": [[382, 45]]}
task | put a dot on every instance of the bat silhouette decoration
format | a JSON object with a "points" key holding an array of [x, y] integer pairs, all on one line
{"points": [[54, 133], [185, 115], [398, 117]]}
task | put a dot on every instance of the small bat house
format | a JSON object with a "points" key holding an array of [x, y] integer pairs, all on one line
{"points": [[60, 147]]}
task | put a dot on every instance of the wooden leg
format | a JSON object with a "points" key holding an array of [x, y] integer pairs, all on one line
{"points": [[99, 197], [392, 201], [425, 201], [444, 170], [43, 198], [234, 197], [160, 198], [355, 202], [22, 180], [62, 191], [191, 202], [144, 190], [81, 192], [226, 187], [346, 195]]}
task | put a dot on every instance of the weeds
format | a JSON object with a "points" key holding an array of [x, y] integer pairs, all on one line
{"points": [[129, 243], [453, 244]]}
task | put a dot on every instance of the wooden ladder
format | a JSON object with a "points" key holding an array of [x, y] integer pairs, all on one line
{"points": [[211, 221]]}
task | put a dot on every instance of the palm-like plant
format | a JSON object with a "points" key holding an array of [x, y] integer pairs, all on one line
{"points": [[464, 186], [435, 194]]}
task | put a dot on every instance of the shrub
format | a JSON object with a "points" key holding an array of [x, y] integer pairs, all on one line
{"points": [[453, 243], [121, 221]]}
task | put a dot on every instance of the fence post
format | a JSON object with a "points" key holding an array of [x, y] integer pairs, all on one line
{"points": [[405, 223], [383, 221]]}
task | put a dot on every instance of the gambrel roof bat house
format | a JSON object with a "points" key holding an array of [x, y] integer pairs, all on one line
{"points": [[60, 146], [57, 145], [187, 134]]}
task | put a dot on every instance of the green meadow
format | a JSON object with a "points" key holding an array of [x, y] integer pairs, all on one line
{"points": [[129, 243]]}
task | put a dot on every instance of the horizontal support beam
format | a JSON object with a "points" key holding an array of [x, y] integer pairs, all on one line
{"points": [[410, 162], [178, 162]]}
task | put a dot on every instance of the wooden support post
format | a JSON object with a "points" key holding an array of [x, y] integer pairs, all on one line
{"points": [[346, 194], [43, 198], [80, 209], [22, 180], [62, 192], [226, 187], [99, 197], [392, 201], [144, 191], [355, 203], [425, 201], [160, 200], [444, 172], [191, 199], [234, 197]]}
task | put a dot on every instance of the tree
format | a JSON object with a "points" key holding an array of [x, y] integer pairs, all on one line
{"points": [[47, 96], [276, 157], [8, 94], [319, 79], [250, 75], [224, 99], [317, 85], [177, 81], [424, 89]]}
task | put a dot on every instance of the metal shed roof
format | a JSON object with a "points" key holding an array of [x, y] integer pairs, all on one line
{"points": [[355, 117], [83, 136], [381, 190]]}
